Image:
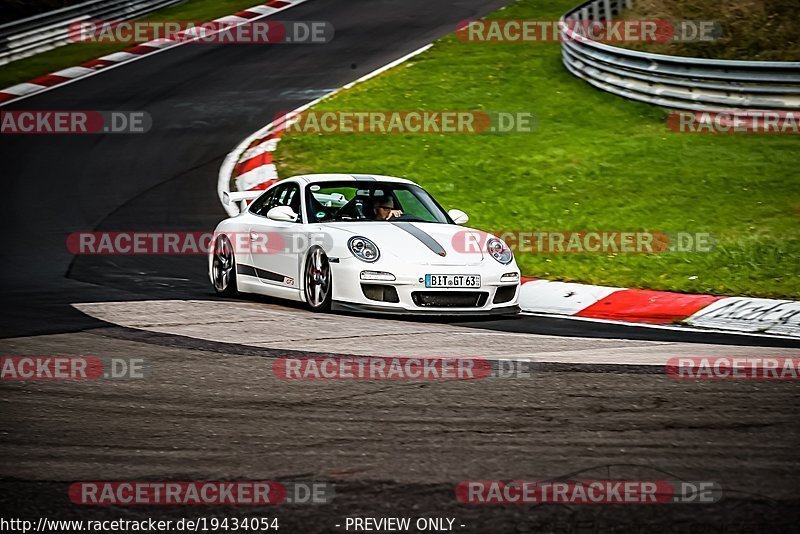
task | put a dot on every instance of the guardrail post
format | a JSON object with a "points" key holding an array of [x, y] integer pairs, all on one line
{"points": [[607, 13]]}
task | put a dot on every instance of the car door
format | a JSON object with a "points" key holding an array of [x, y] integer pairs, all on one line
{"points": [[277, 246], [242, 242]]}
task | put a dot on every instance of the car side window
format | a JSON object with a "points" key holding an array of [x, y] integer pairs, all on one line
{"points": [[260, 206], [287, 195]]}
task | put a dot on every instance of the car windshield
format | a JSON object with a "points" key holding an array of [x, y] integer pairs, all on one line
{"points": [[372, 201]]}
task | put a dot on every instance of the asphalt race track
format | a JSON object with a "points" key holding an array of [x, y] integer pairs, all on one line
{"points": [[596, 404]]}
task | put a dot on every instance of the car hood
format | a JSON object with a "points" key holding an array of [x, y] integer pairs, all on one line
{"points": [[424, 243]]}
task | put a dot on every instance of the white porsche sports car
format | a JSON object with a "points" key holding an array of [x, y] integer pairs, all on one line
{"points": [[360, 243]]}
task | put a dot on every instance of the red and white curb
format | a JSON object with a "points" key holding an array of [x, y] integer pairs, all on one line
{"points": [[636, 306], [102, 64], [251, 166]]}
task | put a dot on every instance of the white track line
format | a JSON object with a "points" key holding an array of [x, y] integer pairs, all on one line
{"points": [[226, 169]]}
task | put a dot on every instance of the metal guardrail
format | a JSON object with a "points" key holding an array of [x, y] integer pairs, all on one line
{"points": [[33, 35], [674, 81]]}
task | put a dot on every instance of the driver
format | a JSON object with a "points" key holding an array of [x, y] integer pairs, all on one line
{"points": [[383, 209]]}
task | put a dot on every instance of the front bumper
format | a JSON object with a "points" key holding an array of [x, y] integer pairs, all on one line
{"points": [[409, 285]]}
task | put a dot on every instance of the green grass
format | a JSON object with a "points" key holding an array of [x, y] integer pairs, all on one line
{"points": [[595, 162], [74, 54], [763, 30]]}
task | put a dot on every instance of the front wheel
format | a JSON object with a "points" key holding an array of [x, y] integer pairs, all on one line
{"points": [[318, 281], [223, 268]]}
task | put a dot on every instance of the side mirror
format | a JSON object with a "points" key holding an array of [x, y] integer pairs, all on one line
{"points": [[458, 216], [282, 213]]}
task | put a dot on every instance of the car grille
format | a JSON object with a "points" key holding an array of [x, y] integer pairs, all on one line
{"points": [[504, 294], [380, 292], [450, 299]]}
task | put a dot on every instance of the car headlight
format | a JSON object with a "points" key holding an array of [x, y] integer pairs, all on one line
{"points": [[364, 249], [499, 251]]}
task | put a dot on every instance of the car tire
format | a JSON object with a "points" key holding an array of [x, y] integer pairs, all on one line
{"points": [[318, 281], [223, 268]]}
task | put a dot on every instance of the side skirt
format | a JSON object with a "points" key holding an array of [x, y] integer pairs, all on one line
{"points": [[252, 284]]}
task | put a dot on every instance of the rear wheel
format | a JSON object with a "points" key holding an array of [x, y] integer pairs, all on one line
{"points": [[318, 281], [223, 268]]}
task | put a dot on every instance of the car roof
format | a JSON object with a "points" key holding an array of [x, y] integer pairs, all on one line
{"points": [[309, 178]]}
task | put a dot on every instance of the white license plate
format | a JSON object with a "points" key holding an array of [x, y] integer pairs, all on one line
{"points": [[453, 280]]}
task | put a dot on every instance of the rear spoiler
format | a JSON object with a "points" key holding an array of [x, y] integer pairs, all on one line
{"points": [[228, 197], [240, 198]]}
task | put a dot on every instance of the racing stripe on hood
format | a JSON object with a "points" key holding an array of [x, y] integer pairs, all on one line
{"points": [[426, 239]]}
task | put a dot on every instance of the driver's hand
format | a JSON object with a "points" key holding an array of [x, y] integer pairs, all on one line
{"points": [[394, 213]]}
